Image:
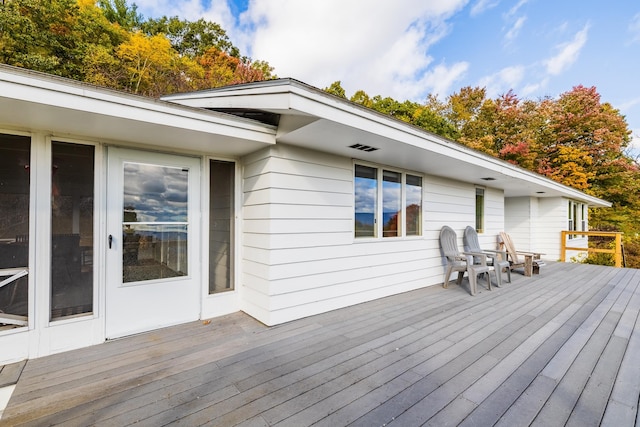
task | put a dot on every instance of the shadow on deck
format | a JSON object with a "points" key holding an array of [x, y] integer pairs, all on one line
{"points": [[561, 348]]}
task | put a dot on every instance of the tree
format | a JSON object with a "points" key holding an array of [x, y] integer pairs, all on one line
{"points": [[191, 38], [118, 12], [221, 69], [336, 89], [150, 62], [37, 34]]}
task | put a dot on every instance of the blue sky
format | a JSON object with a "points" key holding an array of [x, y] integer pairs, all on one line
{"points": [[407, 49]]}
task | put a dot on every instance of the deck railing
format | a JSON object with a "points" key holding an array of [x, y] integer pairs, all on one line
{"points": [[616, 251]]}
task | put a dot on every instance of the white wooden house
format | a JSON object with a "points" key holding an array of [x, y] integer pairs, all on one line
{"points": [[122, 214]]}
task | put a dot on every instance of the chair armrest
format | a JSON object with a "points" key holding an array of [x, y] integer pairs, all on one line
{"points": [[533, 254], [495, 253], [482, 256]]}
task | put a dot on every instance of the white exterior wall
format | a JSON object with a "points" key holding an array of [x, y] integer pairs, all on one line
{"points": [[494, 218], [300, 256], [535, 224], [551, 221], [518, 221]]}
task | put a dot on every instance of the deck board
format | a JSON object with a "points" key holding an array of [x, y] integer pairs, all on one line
{"points": [[558, 347]]}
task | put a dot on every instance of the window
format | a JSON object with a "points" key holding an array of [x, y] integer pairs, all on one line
{"points": [[221, 221], [391, 203], [480, 210], [400, 207], [413, 205], [366, 196], [72, 179], [577, 217]]}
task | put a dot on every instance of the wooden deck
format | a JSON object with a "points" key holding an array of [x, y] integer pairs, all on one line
{"points": [[561, 348]]}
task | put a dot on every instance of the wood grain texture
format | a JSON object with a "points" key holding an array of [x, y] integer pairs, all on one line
{"points": [[560, 347]]}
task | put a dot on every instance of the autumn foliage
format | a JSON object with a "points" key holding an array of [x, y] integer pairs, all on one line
{"points": [[105, 42]]}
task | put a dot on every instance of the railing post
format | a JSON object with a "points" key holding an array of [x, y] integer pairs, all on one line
{"points": [[618, 256], [563, 245]]}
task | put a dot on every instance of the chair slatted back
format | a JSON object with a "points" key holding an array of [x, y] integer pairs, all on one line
{"points": [[510, 247]]}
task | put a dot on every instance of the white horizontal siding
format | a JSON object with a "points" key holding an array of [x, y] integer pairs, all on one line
{"points": [[517, 221], [494, 218], [535, 225], [300, 256], [552, 219]]}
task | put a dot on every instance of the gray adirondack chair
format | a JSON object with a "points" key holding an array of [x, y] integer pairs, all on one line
{"points": [[496, 259], [462, 262]]}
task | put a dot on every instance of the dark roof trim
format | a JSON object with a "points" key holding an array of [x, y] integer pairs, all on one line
{"points": [[261, 116]]}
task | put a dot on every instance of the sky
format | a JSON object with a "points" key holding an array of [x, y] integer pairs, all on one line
{"points": [[407, 49]]}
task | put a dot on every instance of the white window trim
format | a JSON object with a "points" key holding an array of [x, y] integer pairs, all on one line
{"points": [[380, 202]]}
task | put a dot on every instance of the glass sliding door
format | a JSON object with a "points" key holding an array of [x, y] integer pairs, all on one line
{"points": [[221, 220], [72, 219], [15, 157]]}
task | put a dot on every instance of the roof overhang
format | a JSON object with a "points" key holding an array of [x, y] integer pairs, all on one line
{"points": [[314, 119], [32, 101]]}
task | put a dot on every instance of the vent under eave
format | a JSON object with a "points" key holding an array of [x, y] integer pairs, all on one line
{"points": [[363, 147]]}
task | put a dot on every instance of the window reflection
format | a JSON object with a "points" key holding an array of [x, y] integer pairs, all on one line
{"points": [[414, 205], [366, 184], [155, 193], [153, 252], [391, 202], [155, 222]]}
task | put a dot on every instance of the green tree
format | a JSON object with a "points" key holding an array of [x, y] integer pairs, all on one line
{"points": [[37, 34], [119, 12], [191, 38], [336, 89]]}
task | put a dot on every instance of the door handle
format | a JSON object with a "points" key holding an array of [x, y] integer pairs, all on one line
{"points": [[110, 241]]}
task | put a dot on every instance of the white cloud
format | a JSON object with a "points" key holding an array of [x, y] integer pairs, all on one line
{"points": [[634, 28], [516, 8], [441, 78], [533, 88], [627, 105], [635, 139], [380, 47], [502, 81], [515, 29], [483, 5], [568, 54]]}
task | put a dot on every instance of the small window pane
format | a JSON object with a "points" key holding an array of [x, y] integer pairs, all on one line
{"points": [[72, 178], [153, 251], [414, 205], [366, 191], [479, 210], [391, 202]]}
